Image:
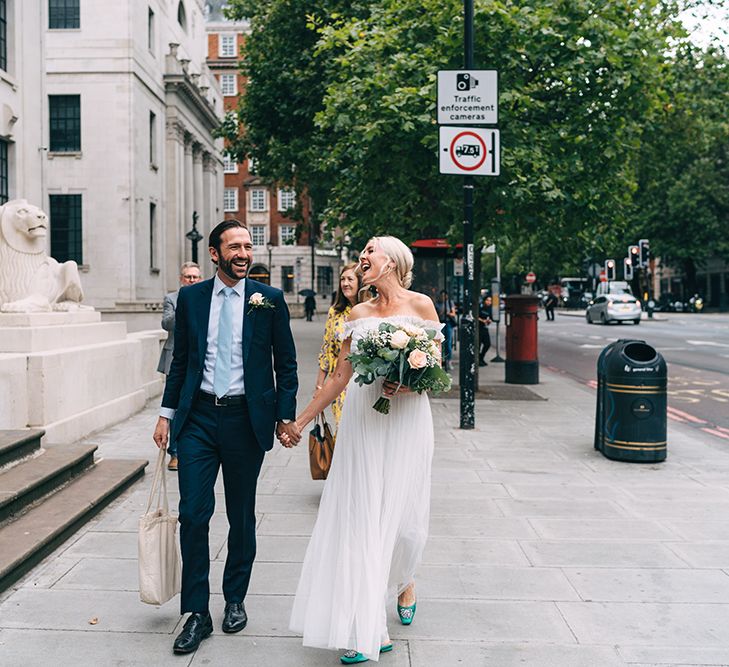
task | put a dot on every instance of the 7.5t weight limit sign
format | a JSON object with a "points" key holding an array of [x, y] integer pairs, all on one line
{"points": [[469, 151]]}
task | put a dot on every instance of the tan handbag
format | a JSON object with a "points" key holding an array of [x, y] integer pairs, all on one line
{"points": [[159, 554], [321, 448]]}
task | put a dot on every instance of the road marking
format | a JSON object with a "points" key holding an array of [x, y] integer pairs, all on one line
{"points": [[717, 433], [676, 418], [591, 346], [686, 416], [710, 343]]}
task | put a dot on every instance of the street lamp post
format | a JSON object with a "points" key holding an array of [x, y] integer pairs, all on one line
{"points": [[194, 236], [269, 246]]}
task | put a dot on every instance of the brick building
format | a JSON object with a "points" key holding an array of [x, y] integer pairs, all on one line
{"points": [[283, 255]]}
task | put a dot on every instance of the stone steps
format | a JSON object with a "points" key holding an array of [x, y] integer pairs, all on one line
{"points": [[15, 445], [46, 498], [30, 480]]}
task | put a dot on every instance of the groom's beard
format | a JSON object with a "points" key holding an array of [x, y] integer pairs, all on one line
{"points": [[227, 268]]}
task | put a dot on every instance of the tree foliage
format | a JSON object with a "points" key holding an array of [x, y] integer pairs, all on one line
{"points": [[342, 99], [682, 202]]}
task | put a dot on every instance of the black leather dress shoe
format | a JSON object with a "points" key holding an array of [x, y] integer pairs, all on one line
{"points": [[235, 618], [196, 628]]}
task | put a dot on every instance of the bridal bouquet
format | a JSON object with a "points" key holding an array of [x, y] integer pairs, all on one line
{"points": [[408, 355]]}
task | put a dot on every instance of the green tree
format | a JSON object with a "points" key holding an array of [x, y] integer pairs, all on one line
{"points": [[353, 107], [682, 203]]}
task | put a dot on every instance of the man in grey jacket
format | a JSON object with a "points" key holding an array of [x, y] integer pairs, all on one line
{"points": [[189, 275]]}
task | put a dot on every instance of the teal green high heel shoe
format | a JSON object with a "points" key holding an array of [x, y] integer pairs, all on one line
{"points": [[406, 614], [353, 657]]}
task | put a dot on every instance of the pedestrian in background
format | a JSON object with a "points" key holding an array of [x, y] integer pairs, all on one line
{"points": [[550, 304], [189, 275], [485, 315], [309, 306], [446, 310], [350, 283]]}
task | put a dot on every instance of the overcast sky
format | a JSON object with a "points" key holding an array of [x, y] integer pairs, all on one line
{"points": [[708, 24]]}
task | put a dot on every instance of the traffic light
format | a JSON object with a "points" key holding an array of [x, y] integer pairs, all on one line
{"points": [[628, 269], [609, 270], [634, 255], [645, 252]]}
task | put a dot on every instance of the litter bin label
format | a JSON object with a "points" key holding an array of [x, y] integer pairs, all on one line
{"points": [[642, 408]]}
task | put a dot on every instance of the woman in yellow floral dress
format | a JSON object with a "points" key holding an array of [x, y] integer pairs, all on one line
{"points": [[347, 296]]}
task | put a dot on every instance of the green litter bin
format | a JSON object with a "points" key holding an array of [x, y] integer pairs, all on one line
{"points": [[631, 419]]}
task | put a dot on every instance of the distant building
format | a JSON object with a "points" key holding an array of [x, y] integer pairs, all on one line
{"points": [[109, 114], [282, 249]]}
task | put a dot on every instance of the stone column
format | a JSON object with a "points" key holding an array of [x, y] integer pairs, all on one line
{"points": [[174, 206], [189, 200], [197, 180]]}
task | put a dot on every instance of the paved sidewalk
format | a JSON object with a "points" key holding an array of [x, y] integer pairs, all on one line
{"points": [[541, 553]]}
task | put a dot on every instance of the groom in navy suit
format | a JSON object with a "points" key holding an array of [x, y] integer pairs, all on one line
{"points": [[232, 337]]}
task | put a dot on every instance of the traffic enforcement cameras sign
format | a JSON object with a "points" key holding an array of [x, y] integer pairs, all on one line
{"points": [[469, 151], [468, 97]]}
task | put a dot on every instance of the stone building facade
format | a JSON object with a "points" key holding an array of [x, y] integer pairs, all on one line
{"points": [[109, 112]]}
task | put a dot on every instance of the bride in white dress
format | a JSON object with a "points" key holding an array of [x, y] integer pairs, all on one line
{"points": [[373, 517]]}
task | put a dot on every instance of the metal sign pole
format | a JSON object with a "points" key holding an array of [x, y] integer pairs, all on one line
{"points": [[467, 352]]}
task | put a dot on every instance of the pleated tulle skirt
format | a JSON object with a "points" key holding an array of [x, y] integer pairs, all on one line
{"points": [[372, 524]]}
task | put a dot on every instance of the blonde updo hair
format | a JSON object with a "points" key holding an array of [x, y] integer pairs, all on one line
{"points": [[400, 254]]}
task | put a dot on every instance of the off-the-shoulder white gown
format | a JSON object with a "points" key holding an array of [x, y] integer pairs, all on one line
{"points": [[373, 517]]}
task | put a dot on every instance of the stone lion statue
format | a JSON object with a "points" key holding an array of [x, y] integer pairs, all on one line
{"points": [[30, 280]]}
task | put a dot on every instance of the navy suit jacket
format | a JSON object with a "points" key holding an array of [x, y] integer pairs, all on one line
{"points": [[268, 350]]}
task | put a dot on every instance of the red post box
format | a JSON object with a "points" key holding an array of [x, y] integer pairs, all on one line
{"points": [[522, 362]]}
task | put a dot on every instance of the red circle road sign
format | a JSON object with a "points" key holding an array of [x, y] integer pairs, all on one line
{"points": [[531, 277], [484, 151]]}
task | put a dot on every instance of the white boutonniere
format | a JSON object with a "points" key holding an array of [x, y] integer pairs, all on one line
{"points": [[258, 301]]}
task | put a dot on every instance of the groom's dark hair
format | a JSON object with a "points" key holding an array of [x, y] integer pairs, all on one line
{"points": [[214, 238]]}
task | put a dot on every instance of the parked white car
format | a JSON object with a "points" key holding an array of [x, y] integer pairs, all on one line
{"points": [[608, 308]]}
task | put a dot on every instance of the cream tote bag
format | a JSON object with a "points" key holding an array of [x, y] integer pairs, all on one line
{"points": [[159, 553]]}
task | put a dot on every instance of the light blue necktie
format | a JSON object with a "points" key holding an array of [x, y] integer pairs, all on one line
{"points": [[224, 357]]}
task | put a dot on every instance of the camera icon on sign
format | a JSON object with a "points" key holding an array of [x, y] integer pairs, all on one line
{"points": [[464, 81]]}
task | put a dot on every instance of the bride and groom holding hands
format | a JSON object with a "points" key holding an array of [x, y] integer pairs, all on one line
{"points": [[232, 385]]}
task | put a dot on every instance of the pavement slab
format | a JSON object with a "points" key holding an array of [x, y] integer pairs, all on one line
{"points": [[541, 552]]}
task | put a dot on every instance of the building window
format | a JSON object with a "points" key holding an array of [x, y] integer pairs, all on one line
{"points": [[258, 234], [153, 237], [228, 85], [323, 279], [3, 35], [252, 165], [3, 172], [64, 14], [230, 166], [153, 139], [65, 123], [65, 214], [230, 200], [258, 200], [182, 16], [287, 234], [227, 46], [286, 199], [150, 29], [287, 279]]}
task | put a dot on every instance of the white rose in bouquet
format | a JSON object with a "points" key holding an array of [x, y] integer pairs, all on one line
{"points": [[399, 340]]}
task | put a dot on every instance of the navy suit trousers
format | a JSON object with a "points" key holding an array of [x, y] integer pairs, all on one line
{"points": [[213, 437]]}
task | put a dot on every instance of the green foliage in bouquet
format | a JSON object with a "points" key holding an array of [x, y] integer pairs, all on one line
{"points": [[407, 355]]}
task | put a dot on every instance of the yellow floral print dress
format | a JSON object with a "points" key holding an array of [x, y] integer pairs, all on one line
{"points": [[330, 349]]}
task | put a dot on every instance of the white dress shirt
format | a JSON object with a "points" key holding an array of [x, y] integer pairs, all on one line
{"points": [[237, 384]]}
